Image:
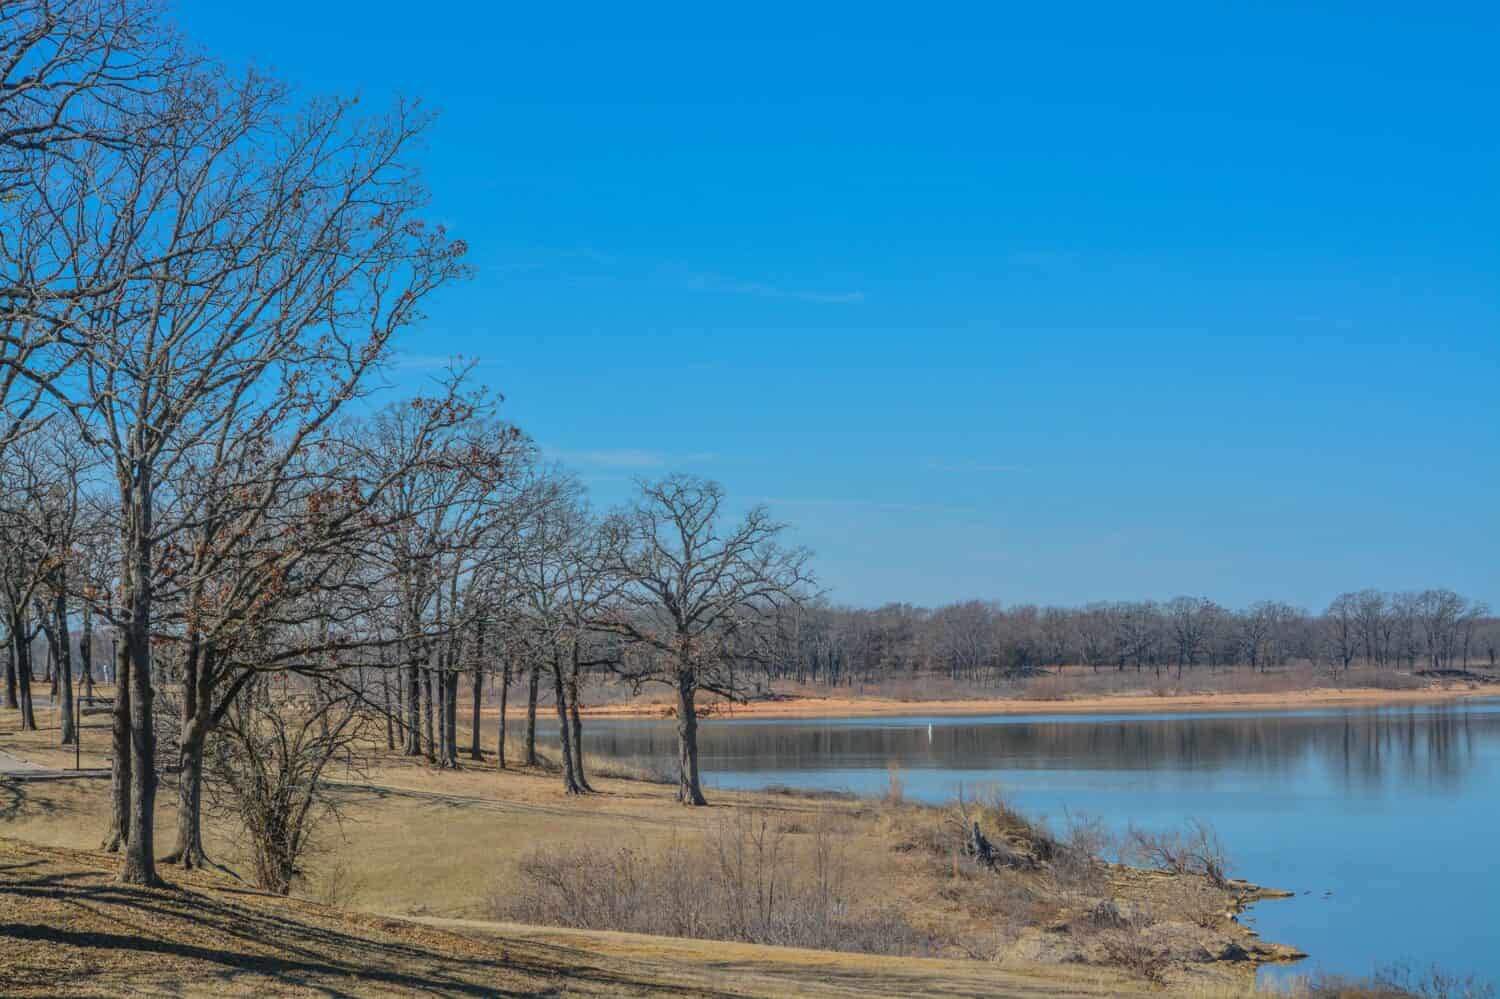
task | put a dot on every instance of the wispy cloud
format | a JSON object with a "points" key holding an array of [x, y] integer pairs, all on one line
{"points": [[724, 284], [408, 361], [627, 457], [591, 267]]}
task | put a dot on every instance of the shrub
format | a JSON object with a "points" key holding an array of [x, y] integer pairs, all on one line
{"points": [[1396, 982], [1197, 850], [1131, 948], [748, 881]]}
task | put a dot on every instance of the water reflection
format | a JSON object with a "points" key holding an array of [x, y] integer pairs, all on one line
{"points": [[1436, 745]]}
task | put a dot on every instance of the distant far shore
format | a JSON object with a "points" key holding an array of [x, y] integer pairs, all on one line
{"points": [[848, 705]]}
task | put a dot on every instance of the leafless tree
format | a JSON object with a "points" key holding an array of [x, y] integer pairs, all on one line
{"points": [[289, 254], [696, 599]]}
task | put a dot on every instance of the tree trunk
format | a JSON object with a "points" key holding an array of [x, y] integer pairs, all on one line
{"points": [[689, 790], [119, 766], [437, 684], [64, 667], [474, 751], [86, 650], [531, 759], [11, 700], [197, 716], [390, 726], [138, 864], [564, 736], [577, 722], [504, 700], [427, 713], [22, 646], [452, 726], [413, 711], [189, 849]]}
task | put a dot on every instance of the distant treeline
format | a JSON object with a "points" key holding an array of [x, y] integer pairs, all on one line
{"points": [[977, 641]]}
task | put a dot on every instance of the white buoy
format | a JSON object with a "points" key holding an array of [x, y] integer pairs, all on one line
{"points": [[929, 733]]}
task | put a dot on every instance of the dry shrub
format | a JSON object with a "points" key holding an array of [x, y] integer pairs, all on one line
{"points": [[1396, 982], [1078, 862], [749, 881], [267, 765], [1195, 850], [1131, 948]]}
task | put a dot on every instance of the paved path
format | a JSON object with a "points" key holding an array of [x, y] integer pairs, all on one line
{"points": [[13, 765]]}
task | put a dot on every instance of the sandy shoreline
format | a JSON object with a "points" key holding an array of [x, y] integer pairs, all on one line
{"points": [[875, 707]]}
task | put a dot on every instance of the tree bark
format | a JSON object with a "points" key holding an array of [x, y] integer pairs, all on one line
{"points": [[21, 644], [11, 700], [576, 719], [450, 751], [189, 849], [564, 736], [64, 666], [427, 713], [119, 766], [504, 700], [86, 650], [531, 694], [390, 726], [138, 863], [197, 709], [475, 753], [413, 711], [689, 790]]}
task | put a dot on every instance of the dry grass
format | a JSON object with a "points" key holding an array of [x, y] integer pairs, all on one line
{"points": [[419, 841], [67, 928]]}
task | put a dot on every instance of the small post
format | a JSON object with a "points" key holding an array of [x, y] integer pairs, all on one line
{"points": [[77, 730]]}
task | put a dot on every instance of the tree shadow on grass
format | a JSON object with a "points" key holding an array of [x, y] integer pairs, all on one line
{"points": [[212, 938], [18, 798]]}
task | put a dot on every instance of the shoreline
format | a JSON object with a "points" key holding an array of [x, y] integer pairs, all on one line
{"points": [[811, 707]]}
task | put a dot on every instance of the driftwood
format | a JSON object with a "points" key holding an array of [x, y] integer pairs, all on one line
{"points": [[979, 846]]}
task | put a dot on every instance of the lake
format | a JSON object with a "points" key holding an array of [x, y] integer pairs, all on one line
{"points": [[1384, 821]]}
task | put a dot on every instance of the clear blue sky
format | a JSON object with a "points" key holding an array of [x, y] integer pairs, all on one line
{"points": [[1036, 303]]}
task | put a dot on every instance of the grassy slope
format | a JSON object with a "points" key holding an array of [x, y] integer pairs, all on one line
{"points": [[419, 842], [68, 929]]}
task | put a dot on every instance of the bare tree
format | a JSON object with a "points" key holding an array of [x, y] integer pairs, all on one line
{"points": [[290, 255], [697, 599]]}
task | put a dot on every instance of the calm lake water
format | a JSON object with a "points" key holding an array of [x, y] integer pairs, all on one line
{"points": [[1384, 821]]}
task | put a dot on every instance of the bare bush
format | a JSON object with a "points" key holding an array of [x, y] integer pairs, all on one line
{"points": [[750, 880], [1397, 982], [1131, 949], [268, 767], [1195, 850], [1079, 860]]}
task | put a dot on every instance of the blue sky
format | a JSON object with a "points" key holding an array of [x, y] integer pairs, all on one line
{"points": [[1041, 303]]}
